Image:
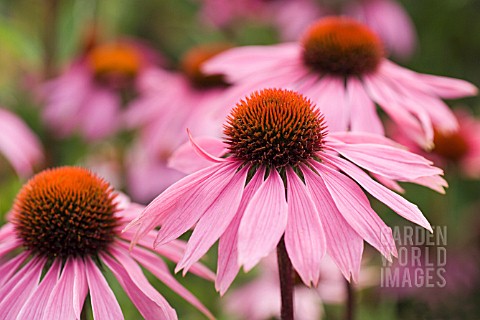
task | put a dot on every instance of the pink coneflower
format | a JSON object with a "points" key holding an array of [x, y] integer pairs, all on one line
{"points": [[460, 148], [282, 176], [87, 98], [64, 230], [170, 102], [340, 65], [19, 144]]}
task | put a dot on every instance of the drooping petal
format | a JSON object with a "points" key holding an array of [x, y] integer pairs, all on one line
{"points": [[202, 152], [189, 206], [355, 208], [34, 307], [344, 245], [16, 292], [80, 286], [393, 163], [396, 202], [364, 114], [60, 304], [104, 304], [214, 221], [228, 265], [150, 303], [10, 267], [156, 211], [151, 262], [304, 235], [263, 222]]}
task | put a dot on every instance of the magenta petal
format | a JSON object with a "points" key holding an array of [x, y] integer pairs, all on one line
{"points": [[9, 268], [34, 307], [151, 261], [166, 202], [355, 208], [214, 221], [80, 287], [188, 205], [104, 304], [150, 303], [186, 160], [263, 222], [393, 163], [396, 202], [364, 114], [60, 304], [16, 292], [344, 245], [304, 235], [228, 265]]}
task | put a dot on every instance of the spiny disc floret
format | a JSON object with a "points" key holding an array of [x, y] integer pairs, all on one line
{"points": [[341, 46], [275, 128], [65, 212]]}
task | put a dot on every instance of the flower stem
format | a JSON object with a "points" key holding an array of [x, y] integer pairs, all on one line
{"points": [[285, 271], [350, 312]]}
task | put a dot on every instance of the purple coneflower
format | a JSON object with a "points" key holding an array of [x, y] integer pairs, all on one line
{"points": [[64, 231], [284, 177], [340, 65]]}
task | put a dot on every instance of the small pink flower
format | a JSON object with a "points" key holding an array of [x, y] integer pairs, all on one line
{"points": [[278, 149], [460, 148], [64, 230], [87, 97], [19, 144], [340, 65], [170, 102]]}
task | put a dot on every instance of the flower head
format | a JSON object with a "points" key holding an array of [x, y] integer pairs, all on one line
{"points": [[87, 97], [340, 65], [65, 224], [282, 175]]}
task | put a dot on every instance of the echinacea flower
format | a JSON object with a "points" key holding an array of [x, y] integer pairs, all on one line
{"points": [[169, 103], [340, 65], [87, 98], [460, 148], [19, 144], [282, 176], [64, 231]]}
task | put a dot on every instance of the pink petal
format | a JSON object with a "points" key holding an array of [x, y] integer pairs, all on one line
{"points": [[201, 152], [362, 137], [150, 303], [80, 286], [396, 202], [156, 211], [61, 302], [330, 98], [186, 160], [34, 307], [99, 116], [263, 222], [240, 62], [185, 208], [304, 235], [21, 286], [10, 267], [214, 221], [435, 183], [104, 304], [228, 265], [355, 208], [151, 261], [393, 163], [344, 245], [448, 88], [362, 109]]}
